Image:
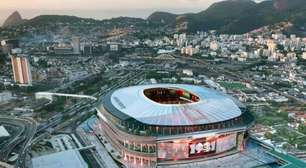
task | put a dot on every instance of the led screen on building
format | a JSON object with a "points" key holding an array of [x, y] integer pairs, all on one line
{"points": [[226, 142], [200, 147], [185, 149], [173, 150]]}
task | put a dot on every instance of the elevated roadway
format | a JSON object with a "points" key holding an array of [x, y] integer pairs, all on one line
{"points": [[49, 95], [287, 161]]}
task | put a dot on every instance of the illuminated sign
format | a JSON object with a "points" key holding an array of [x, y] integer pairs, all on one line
{"points": [[226, 142], [201, 147], [195, 148]]}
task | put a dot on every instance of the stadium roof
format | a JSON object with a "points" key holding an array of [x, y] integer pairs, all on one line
{"points": [[131, 102], [65, 159]]}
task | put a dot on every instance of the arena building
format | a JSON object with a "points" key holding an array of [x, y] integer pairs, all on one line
{"points": [[166, 124]]}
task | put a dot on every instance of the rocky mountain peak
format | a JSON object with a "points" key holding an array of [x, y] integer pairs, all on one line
{"points": [[14, 19]]}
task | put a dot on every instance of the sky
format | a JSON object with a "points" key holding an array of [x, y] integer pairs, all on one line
{"points": [[99, 9], [102, 4]]}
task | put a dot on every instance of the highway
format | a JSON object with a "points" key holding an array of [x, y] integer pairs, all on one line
{"points": [[22, 140], [15, 139], [288, 160], [28, 127], [77, 111], [48, 94], [133, 78], [30, 133], [240, 77]]}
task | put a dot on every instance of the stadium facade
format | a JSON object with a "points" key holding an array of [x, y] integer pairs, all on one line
{"points": [[164, 124]]}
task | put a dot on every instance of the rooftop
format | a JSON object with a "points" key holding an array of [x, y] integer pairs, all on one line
{"points": [[65, 159], [171, 105], [3, 132]]}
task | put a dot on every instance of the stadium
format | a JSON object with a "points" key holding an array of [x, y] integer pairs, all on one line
{"points": [[165, 124]]}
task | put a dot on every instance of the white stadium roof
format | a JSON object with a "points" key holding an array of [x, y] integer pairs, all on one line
{"points": [[131, 102]]}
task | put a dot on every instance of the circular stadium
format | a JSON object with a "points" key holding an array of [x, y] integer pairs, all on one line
{"points": [[164, 124]]}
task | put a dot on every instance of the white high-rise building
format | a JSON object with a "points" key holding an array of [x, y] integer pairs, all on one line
{"points": [[271, 46], [214, 46], [76, 45], [304, 55]]}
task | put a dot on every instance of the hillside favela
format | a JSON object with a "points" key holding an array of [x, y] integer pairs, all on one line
{"points": [[153, 84]]}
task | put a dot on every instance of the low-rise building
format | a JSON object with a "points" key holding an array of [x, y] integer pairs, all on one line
{"points": [[64, 159]]}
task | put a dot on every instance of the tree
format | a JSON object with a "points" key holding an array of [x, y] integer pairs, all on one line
{"points": [[302, 129], [2, 59], [268, 135], [42, 63]]}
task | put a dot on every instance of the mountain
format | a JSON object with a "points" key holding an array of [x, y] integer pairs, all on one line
{"points": [[219, 14], [228, 16], [270, 12], [53, 21], [287, 4], [238, 16], [42, 19], [13, 19], [162, 17], [63, 23]]}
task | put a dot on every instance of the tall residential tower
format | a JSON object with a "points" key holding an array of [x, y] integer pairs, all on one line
{"points": [[21, 69]]}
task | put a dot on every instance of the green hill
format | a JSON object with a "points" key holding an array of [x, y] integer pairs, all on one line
{"points": [[240, 16]]}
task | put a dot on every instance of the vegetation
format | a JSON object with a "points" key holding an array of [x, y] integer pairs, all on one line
{"points": [[270, 115], [302, 129], [57, 105], [43, 63], [162, 17], [157, 75], [228, 16], [2, 59], [232, 85]]}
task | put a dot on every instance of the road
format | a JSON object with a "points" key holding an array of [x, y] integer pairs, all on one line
{"points": [[240, 77], [30, 133], [22, 140], [91, 104], [77, 111], [16, 139], [28, 127]]}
